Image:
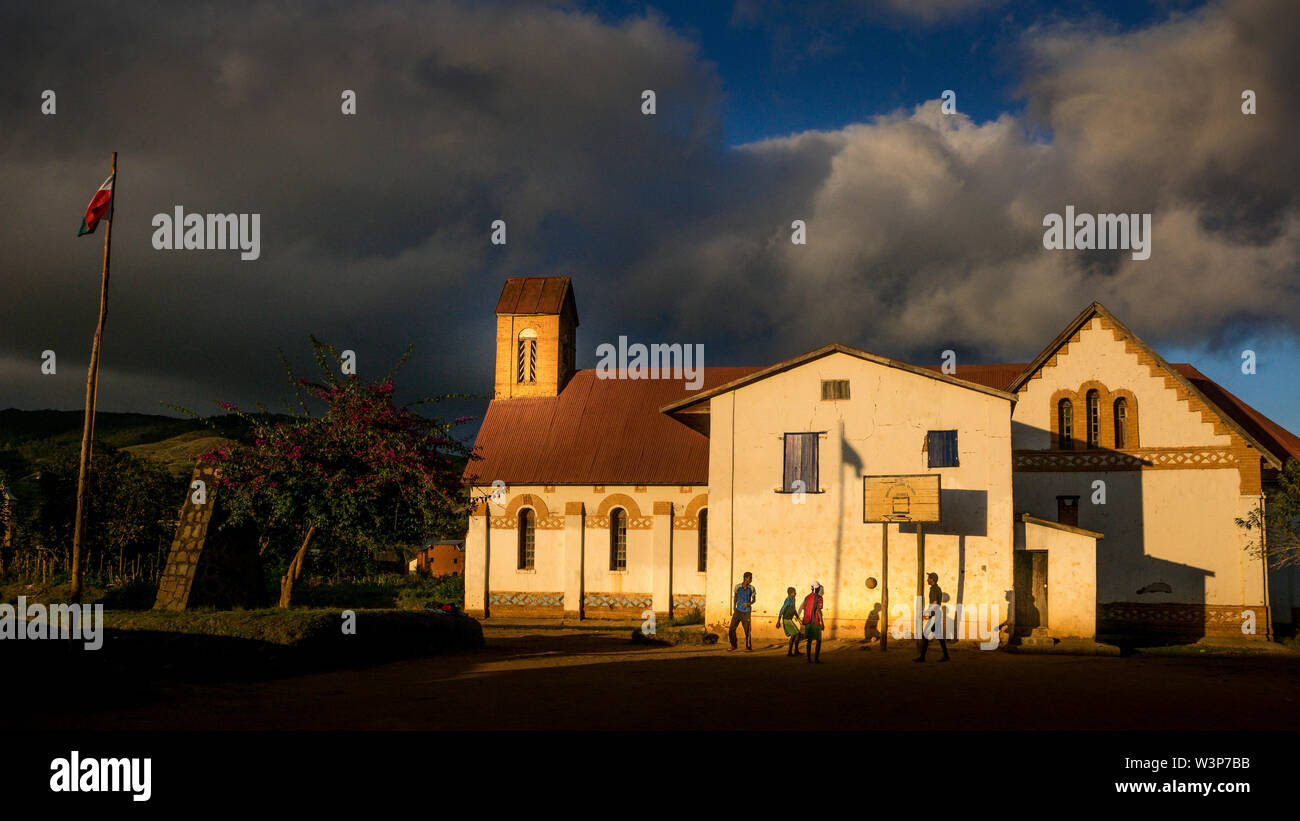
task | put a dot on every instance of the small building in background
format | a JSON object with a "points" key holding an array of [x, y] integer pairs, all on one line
{"points": [[441, 557]]}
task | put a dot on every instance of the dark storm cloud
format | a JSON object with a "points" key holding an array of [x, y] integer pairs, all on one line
{"points": [[374, 228], [925, 230]]}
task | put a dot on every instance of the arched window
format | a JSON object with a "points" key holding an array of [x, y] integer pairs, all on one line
{"points": [[1065, 424], [704, 540], [1121, 423], [1094, 419], [527, 355], [618, 539], [527, 538]]}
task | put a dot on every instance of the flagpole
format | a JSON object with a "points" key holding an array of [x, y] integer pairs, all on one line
{"points": [[92, 386]]}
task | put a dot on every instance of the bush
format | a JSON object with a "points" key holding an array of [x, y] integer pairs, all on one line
{"points": [[436, 590], [693, 617], [136, 594], [390, 591]]}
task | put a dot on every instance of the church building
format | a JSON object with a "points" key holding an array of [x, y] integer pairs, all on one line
{"points": [[1092, 492]]}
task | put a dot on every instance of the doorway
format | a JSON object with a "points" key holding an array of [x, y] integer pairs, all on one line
{"points": [[1031, 590]]}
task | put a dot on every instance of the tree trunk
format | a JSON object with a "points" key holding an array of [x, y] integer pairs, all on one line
{"points": [[295, 569]]}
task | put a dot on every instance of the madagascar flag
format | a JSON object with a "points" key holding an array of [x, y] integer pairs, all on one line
{"points": [[100, 204]]}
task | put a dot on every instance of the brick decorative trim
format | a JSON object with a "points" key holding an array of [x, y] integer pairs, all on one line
{"points": [[633, 522], [616, 605], [686, 602], [690, 518], [1070, 461], [1173, 620], [512, 598], [512, 522], [522, 604]]}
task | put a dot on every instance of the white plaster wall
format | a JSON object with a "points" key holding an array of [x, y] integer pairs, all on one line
{"points": [[1164, 420], [1172, 526], [1071, 579], [880, 430]]}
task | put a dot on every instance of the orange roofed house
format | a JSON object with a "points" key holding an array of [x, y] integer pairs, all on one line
{"points": [[1091, 492]]}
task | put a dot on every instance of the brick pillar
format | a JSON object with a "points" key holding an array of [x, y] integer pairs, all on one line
{"points": [[663, 561], [574, 553]]}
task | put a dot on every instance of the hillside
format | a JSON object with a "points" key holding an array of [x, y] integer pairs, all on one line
{"points": [[175, 442]]}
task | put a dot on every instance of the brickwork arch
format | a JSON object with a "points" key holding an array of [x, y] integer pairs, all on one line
{"points": [[528, 500], [619, 500]]}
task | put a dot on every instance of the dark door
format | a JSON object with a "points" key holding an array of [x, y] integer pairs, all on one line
{"points": [[1067, 510], [1031, 590]]}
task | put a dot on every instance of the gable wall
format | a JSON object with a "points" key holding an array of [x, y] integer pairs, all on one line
{"points": [[1170, 504], [880, 430]]}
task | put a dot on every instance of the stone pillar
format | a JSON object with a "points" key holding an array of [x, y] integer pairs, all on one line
{"points": [[178, 574], [477, 555], [574, 557], [662, 594]]}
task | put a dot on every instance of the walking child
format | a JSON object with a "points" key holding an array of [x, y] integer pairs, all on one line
{"points": [[743, 597], [789, 619], [812, 622]]}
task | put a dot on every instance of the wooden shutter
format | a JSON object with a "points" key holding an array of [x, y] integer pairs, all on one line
{"points": [[942, 446], [793, 443], [801, 462]]}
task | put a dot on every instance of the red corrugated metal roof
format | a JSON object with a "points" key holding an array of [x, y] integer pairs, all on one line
{"points": [[997, 375], [1270, 434], [596, 432], [610, 431], [534, 295]]}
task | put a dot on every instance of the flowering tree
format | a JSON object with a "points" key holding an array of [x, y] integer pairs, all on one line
{"points": [[1276, 533], [366, 472]]}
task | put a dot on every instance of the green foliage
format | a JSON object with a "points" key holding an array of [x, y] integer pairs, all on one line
{"points": [[1279, 522], [133, 594], [411, 592], [437, 590], [367, 475], [131, 520], [693, 617]]}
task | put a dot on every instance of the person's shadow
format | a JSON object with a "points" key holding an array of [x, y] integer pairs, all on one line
{"points": [[871, 630]]}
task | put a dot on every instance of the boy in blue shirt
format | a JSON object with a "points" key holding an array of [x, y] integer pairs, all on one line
{"points": [[743, 597]]}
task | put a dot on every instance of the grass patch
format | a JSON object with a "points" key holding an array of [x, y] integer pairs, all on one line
{"points": [[309, 628], [136, 594], [693, 617], [413, 592]]}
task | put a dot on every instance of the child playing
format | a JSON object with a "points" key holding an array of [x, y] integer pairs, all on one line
{"points": [[788, 618], [812, 621]]}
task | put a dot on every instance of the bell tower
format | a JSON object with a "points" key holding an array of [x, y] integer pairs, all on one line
{"points": [[537, 324]]}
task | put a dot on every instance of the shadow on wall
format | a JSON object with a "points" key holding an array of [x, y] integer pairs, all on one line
{"points": [[1139, 596], [965, 513]]}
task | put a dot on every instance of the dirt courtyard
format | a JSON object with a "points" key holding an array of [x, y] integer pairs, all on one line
{"points": [[539, 679]]}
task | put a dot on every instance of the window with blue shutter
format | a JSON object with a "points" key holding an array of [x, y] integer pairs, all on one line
{"points": [[800, 463], [942, 446]]}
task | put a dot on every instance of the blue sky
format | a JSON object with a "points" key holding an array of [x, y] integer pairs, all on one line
{"points": [[787, 71]]}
